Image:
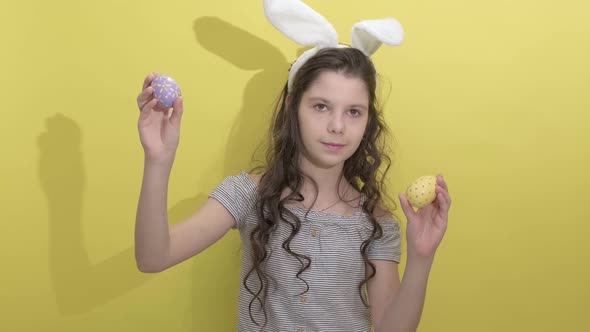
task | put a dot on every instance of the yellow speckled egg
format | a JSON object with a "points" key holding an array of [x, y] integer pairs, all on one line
{"points": [[422, 191]]}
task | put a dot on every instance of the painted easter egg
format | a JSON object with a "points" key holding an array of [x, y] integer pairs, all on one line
{"points": [[422, 191], [166, 90]]}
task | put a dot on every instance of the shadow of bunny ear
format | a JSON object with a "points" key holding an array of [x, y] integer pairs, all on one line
{"points": [[235, 45]]}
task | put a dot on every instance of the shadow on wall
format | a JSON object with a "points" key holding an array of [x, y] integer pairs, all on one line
{"points": [[245, 146], [81, 285]]}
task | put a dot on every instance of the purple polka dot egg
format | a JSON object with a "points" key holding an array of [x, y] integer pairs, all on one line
{"points": [[166, 90]]}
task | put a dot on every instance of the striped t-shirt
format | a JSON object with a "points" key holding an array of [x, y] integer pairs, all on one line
{"points": [[332, 242]]}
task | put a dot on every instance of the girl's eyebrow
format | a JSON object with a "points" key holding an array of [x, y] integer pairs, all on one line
{"points": [[322, 100]]}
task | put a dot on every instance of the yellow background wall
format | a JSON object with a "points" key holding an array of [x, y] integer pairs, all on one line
{"points": [[493, 94]]}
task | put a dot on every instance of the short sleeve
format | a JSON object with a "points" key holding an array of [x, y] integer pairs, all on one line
{"points": [[388, 247], [236, 193]]}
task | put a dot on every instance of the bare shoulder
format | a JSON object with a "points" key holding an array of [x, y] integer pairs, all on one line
{"points": [[382, 212], [255, 177]]}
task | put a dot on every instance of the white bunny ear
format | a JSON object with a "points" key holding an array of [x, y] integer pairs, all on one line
{"points": [[368, 35], [300, 23]]}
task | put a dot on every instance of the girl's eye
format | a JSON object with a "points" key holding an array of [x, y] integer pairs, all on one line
{"points": [[354, 112], [321, 107]]}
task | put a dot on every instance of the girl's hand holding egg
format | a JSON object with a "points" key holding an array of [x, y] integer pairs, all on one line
{"points": [[426, 225]]}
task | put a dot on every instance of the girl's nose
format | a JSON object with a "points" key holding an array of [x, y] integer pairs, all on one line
{"points": [[336, 123]]}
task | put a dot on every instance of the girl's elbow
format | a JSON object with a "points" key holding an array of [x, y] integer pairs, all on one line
{"points": [[146, 267]]}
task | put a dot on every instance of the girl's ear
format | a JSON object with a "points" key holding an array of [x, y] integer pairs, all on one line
{"points": [[368, 35], [288, 99]]}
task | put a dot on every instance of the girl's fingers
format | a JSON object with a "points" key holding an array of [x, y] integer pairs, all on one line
{"points": [[443, 211], [149, 106], [148, 80], [176, 112], [144, 97], [441, 181], [408, 210], [146, 92], [443, 198]]}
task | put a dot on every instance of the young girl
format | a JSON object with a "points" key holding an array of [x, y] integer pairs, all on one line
{"points": [[320, 249]]}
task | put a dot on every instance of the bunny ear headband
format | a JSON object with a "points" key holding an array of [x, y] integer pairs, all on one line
{"points": [[305, 26]]}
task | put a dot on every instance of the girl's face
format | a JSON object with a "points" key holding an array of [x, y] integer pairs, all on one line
{"points": [[333, 114]]}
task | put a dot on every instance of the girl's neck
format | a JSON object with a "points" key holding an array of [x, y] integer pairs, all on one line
{"points": [[332, 188]]}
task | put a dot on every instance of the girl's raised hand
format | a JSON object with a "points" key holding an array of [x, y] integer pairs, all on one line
{"points": [[427, 225], [159, 128]]}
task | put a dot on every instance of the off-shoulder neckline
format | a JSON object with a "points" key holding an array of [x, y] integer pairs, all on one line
{"points": [[314, 213]]}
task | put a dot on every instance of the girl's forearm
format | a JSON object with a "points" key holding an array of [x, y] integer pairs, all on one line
{"points": [[404, 311], [151, 225]]}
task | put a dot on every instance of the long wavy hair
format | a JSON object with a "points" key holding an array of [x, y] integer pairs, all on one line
{"points": [[365, 170]]}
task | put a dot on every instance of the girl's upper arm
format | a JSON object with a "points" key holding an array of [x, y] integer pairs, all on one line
{"points": [[227, 207], [385, 254], [199, 231], [382, 288]]}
